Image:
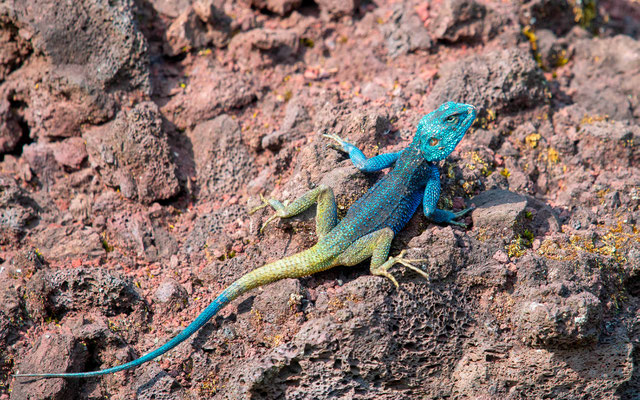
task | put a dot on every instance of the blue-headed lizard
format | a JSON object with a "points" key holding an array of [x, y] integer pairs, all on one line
{"points": [[365, 232]]}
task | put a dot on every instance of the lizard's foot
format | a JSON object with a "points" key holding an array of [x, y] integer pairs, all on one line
{"points": [[275, 204], [383, 270], [340, 143], [458, 215], [264, 204], [448, 217]]}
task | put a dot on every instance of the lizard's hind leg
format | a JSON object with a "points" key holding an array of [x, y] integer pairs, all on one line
{"points": [[326, 214], [376, 245]]}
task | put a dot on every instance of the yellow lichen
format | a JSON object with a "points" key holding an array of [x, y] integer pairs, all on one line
{"points": [[533, 139]]}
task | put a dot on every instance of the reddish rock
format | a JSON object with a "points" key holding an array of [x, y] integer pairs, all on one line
{"points": [[70, 153], [65, 243], [53, 352], [337, 8], [281, 7], [263, 47], [212, 91], [198, 26]]}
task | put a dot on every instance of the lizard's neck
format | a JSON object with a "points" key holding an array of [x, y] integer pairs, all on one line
{"points": [[412, 167], [412, 159]]}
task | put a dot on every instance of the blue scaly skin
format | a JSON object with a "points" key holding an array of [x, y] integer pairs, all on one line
{"points": [[365, 232]]}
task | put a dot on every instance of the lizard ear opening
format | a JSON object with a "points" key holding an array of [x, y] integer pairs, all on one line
{"points": [[433, 141]]}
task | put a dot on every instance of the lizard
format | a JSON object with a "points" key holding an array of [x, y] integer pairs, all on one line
{"points": [[365, 232]]}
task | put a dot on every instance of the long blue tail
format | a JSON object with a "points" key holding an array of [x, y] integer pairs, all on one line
{"points": [[212, 309], [301, 264]]}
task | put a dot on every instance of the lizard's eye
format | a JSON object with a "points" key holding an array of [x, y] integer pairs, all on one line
{"points": [[451, 119], [433, 141]]}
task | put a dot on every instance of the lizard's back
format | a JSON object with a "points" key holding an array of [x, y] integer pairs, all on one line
{"points": [[392, 201]]}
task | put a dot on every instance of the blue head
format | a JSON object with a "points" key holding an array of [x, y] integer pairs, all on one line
{"points": [[440, 131]]}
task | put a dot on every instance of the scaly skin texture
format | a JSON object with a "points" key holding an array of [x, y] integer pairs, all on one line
{"points": [[366, 231]]}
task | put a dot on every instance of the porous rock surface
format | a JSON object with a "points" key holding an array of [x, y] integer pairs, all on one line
{"points": [[135, 136]]}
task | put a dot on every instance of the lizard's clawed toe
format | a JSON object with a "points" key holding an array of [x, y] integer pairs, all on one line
{"points": [[463, 212]]}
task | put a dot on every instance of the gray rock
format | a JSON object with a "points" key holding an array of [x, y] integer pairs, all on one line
{"points": [[54, 293], [605, 81], [404, 32], [171, 296], [17, 210], [214, 143], [200, 25], [551, 320], [463, 20], [501, 213], [132, 153], [502, 81]]}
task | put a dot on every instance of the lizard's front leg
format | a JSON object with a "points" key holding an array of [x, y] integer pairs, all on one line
{"points": [[376, 245], [430, 200], [358, 158], [326, 214]]}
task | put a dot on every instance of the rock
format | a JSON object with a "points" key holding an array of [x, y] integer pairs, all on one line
{"points": [[594, 141], [145, 235], [281, 302], [14, 48], [54, 293], [605, 81], [66, 243], [96, 39], [553, 52], [18, 211], [83, 53], [214, 142], [337, 8], [463, 20], [212, 91], [296, 119], [404, 32], [53, 352], [48, 160], [498, 211], [132, 153], [502, 213], [12, 316], [273, 141], [280, 7], [171, 296], [41, 160], [170, 8], [556, 15], [553, 320], [441, 250], [413, 318], [264, 47], [605, 144], [153, 383], [502, 81], [70, 153], [373, 91], [10, 130], [198, 26]]}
